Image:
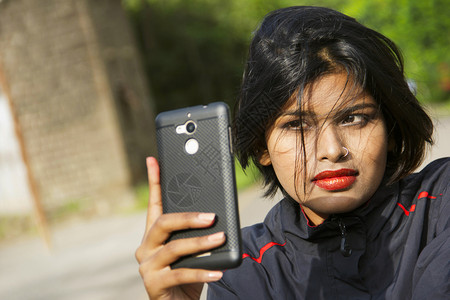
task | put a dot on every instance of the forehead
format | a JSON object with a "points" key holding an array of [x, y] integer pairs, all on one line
{"points": [[329, 93]]}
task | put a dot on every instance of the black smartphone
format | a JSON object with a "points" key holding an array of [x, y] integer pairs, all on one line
{"points": [[197, 175]]}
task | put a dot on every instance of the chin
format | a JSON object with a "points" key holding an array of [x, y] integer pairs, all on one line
{"points": [[333, 205]]}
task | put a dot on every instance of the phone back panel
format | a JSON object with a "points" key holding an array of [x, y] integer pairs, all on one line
{"points": [[203, 181]]}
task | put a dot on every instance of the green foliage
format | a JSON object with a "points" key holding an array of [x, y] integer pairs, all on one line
{"points": [[246, 178], [194, 51], [421, 30]]}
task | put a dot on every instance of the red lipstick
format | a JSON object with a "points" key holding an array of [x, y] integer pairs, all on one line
{"points": [[333, 180]]}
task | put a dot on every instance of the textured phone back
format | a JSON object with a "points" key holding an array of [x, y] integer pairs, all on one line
{"points": [[204, 181]]}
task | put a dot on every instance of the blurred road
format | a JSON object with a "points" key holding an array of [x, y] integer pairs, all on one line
{"points": [[89, 260], [95, 259]]}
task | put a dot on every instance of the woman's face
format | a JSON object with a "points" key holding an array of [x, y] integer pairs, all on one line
{"points": [[333, 119]]}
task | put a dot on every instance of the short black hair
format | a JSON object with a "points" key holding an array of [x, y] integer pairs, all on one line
{"points": [[294, 47]]}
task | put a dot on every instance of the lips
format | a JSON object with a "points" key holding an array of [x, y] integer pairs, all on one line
{"points": [[334, 180]]}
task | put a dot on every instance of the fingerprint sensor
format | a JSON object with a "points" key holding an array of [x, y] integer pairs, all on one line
{"points": [[191, 146]]}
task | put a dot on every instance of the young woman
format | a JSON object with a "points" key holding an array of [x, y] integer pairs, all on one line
{"points": [[327, 116]]}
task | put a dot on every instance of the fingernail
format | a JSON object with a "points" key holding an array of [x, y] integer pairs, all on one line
{"points": [[214, 275], [207, 217], [216, 237]]}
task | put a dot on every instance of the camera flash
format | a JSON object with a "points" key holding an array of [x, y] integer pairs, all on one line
{"points": [[180, 129]]}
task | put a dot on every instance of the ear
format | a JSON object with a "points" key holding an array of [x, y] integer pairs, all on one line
{"points": [[264, 159]]}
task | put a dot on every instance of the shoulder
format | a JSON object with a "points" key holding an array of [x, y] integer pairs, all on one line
{"points": [[436, 173], [431, 270], [439, 167], [250, 278], [258, 236], [431, 181], [427, 193]]}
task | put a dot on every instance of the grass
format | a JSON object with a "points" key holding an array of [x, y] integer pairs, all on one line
{"points": [[12, 226], [67, 209], [16, 225]]}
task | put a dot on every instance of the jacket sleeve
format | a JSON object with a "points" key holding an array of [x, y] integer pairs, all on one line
{"points": [[219, 290], [246, 282], [431, 279], [432, 274]]}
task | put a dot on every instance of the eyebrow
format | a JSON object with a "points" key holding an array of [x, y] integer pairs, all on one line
{"points": [[340, 112]]}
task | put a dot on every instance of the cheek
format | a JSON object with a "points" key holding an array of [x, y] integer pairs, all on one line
{"points": [[377, 145], [373, 153], [282, 149], [284, 155], [284, 164]]}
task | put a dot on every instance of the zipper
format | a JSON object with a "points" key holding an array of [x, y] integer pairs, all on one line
{"points": [[346, 251]]}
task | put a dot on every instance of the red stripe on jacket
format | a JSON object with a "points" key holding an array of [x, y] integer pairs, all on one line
{"points": [[262, 250], [423, 194]]}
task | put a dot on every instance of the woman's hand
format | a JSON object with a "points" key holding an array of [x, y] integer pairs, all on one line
{"points": [[155, 256]]}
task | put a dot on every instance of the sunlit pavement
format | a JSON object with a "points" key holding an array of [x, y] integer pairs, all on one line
{"points": [[93, 259]]}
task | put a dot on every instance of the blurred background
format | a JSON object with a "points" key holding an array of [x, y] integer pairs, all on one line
{"points": [[80, 84]]}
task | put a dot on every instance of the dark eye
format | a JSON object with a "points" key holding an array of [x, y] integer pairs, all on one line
{"points": [[356, 119], [292, 124], [296, 125]]}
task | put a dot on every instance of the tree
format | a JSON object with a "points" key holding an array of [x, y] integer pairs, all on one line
{"points": [[421, 30], [195, 50]]}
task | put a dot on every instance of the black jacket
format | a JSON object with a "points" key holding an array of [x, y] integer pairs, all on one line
{"points": [[397, 246]]}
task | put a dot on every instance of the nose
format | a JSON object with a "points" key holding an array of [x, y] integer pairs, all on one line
{"points": [[330, 145]]}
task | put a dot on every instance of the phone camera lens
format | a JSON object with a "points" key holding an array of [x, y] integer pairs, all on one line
{"points": [[190, 127]]}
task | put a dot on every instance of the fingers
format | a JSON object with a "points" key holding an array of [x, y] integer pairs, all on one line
{"points": [[156, 272], [182, 283], [154, 266], [155, 254], [154, 203], [169, 278], [168, 223], [176, 249]]}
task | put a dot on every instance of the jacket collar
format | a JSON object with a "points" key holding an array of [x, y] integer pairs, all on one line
{"points": [[373, 214]]}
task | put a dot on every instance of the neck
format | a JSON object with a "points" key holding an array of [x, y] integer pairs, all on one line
{"points": [[314, 218]]}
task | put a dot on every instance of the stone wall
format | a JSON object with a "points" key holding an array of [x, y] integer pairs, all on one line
{"points": [[74, 77]]}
